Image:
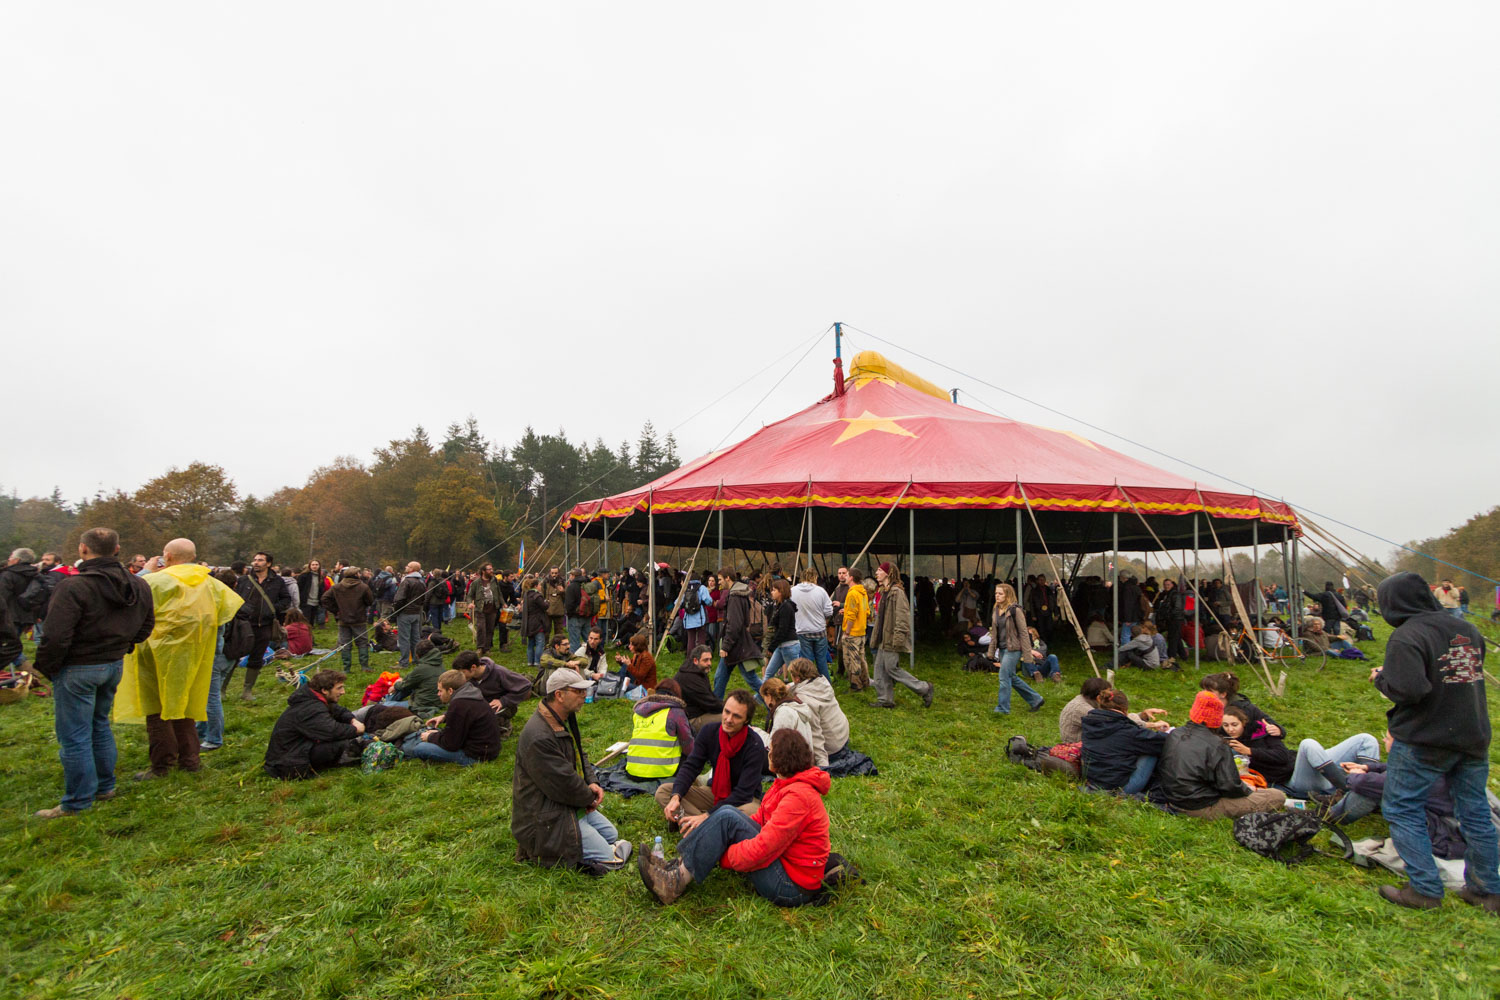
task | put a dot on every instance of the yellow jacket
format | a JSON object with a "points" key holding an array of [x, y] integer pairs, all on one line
{"points": [[856, 610], [169, 673]]}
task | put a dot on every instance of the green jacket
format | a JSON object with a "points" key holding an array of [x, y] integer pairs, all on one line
{"points": [[419, 686]]}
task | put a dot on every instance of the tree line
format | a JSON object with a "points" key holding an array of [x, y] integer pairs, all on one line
{"points": [[441, 503], [1474, 545]]}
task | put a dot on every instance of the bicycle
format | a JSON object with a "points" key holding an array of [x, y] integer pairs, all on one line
{"points": [[1279, 647]]}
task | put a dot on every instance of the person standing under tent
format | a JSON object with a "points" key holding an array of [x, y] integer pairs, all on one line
{"points": [[891, 639]]}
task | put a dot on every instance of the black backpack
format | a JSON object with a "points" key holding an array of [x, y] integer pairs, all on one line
{"points": [[1286, 836], [691, 603]]}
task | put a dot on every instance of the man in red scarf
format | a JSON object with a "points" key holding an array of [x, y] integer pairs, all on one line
{"points": [[738, 758]]}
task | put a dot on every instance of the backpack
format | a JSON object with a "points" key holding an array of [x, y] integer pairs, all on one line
{"points": [[34, 598], [584, 609], [378, 756], [691, 602], [1364, 633], [757, 624], [1285, 836]]}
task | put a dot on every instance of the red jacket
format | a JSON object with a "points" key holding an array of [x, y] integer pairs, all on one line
{"points": [[794, 830]]}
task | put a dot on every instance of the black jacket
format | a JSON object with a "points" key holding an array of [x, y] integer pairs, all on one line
{"points": [[470, 725], [96, 616], [573, 596], [534, 617], [1433, 672], [1111, 744], [14, 580], [1269, 754], [439, 592], [306, 721], [1196, 769], [411, 594], [737, 642], [784, 621], [304, 590], [1169, 606], [1330, 607], [348, 601], [255, 610], [697, 691], [745, 767]]}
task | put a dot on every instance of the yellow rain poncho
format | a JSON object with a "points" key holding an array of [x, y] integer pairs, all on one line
{"points": [[170, 672]]}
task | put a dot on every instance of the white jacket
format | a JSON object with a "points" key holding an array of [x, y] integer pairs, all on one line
{"points": [[817, 694]]}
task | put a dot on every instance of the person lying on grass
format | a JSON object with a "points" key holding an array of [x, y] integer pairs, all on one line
{"points": [[1197, 773], [782, 849], [470, 731], [314, 732]]}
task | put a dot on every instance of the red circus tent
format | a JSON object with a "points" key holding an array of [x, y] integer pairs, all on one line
{"points": [[831, 472]]}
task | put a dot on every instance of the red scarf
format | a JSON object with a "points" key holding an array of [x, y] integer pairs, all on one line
{"points": [[728, 747]]}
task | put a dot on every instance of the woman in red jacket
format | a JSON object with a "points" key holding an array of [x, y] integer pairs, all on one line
{"points": [[782, 849]]}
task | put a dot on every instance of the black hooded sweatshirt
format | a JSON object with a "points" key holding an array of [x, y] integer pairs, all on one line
{"points": [[96, 616], [1434, 671]]}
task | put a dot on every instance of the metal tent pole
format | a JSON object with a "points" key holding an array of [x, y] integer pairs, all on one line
{"points": [[1286, 572], [1197, 599], [911, 586], [1020, 559], [606, 546], [721, 540], [1114, 587], [1294, 597], [1255, 541], [651, 560]]}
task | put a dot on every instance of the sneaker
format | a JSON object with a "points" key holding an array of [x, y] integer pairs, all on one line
{"points": [[1408, 897], [1037, 707], [1001, 711], [881, 704], [1486, 901], [56, 812], [623, 850], [667, 882], [246, 696], [106, 796], [927, 698], [206, 747]]}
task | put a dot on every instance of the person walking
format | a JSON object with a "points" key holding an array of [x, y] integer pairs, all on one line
{"points": [[1433, 676], [891, 638], [95, 618], [485, 594], [167, 680], [1009, 642]]}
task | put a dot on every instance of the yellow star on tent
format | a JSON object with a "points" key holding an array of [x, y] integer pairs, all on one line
{"points": [[867, 421]]}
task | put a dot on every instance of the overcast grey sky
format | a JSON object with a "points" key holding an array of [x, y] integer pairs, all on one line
{"points": [[1244, 235]]}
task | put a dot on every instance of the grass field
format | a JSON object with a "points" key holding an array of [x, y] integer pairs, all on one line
{"points": [[984, 879]]}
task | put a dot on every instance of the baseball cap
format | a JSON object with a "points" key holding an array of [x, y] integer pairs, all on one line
{"points": [[565, 678]]}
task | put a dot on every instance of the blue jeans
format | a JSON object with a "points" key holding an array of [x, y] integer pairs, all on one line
{"points": [[701, 850], [748, 670], [408, 634], [1145, 766], [81, 699], [534, 646], [1311, 756], [1008, 680], [1046, 666], [211, 729], [435, 618], [598, 835], [783, 654], [814, 646], [1410, 773], [1457, 612], [414, 746], [578, 628], [450, 612]]}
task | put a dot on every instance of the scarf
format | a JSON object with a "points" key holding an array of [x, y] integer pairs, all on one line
{"points": [[728, 747]]}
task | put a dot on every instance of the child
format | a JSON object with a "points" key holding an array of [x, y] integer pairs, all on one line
{"points": [[470, 730]]}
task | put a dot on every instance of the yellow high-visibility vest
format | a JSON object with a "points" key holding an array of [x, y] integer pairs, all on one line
{"points": [[653, 753]]}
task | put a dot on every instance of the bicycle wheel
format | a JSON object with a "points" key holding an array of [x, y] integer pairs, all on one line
{"points": [[1312, 654]]}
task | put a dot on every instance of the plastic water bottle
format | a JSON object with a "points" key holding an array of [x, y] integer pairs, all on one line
{"points": [[588, 699], [657, 854]]}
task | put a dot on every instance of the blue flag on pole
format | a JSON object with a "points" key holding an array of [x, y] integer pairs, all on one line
{"points": [[521, 566]]}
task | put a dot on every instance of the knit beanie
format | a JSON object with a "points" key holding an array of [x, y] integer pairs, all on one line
{"points": [[1207, 710], [888, 569]]}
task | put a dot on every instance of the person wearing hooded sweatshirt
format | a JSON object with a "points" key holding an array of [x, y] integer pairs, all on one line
{"points": [[470, 731], [814, 608], [698, 698], [418, 689], [1434, 678], [1197, 774], [816, 692], [782, 848], [350, 601], [739, 647], [660, 734], [94, 619], [787, 711]]}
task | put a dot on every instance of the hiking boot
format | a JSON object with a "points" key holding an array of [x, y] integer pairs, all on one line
{"points": [[1489, 902], [927, 698], [106, 796], [246, 696], [148, 775], [1408, 897], [1057, 678], [667, 882], [56, 812], [881, 704], [1038, 706]]}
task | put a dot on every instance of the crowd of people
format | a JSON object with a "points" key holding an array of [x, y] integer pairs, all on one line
{"points": [[157, 640]]}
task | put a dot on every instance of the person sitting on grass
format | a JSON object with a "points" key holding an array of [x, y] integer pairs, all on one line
{"points": [[470, 732], [1141, 650], [782, 848], [787, 711], [417, 690], [660, 734], [314, 732], [503, 689], [1250, 738], [640, 667], [559, 655], [1117, 751], [816, 692], [554, 791], [738, 758], [697, 689], [299, 638], [1070, 720], [1227, 687], [1043, 665], [1197, 774]]}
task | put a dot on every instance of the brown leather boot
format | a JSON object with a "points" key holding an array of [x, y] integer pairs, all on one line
{"points": [[667, 882], [1489, 902], [1409, 897]]}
